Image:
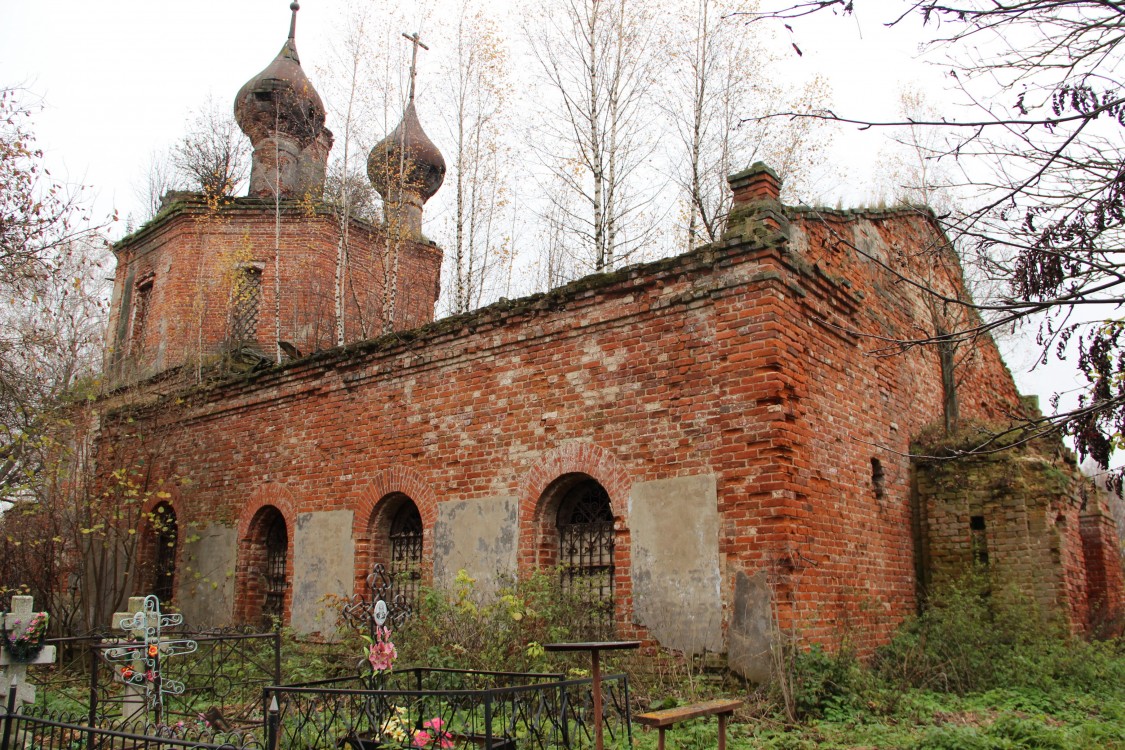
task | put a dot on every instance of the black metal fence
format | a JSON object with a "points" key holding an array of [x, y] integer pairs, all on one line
{"points": [[236, 677], [447, 709], [33, 727], [224, 678]]}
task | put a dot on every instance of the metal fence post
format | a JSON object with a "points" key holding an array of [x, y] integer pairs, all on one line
{"points": [[628, 711], [93, 717], [9, 714], [488, 721], [564, 709], [277, 657], [273, 722]]}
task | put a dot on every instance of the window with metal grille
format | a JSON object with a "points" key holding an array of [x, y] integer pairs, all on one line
{"points": [[406, 551], [277, 550], [585, 526], [142, 302], [978, 540], [245, 305], [164, 562]]}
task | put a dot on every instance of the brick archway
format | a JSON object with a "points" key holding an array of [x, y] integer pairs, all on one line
{"points": [[263, 502], [572, 458], [376, 500], [153, 521], [539, 493]]}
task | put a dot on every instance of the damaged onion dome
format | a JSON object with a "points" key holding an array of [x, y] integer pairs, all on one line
{"points": [[281, 99], [406, 158]]}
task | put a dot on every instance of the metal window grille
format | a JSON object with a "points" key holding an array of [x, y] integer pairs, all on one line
{"points": [[165, 563], [585, 525], [246, 306], [406, 551], [978, 540], [277, 550], [140, 316]]}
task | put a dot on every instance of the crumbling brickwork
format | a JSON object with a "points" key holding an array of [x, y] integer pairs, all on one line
{"points": [[1105, 589], [181, 276], [1025, 517], [758, 364]]}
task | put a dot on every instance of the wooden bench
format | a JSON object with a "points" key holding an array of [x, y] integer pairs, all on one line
{"points": [[669, 717]]}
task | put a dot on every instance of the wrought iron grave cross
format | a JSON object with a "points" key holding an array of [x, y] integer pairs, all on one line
{"points": [[140, 671]]}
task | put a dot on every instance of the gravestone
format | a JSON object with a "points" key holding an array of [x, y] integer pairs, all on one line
{"points": [[15, 671], [133, 704]]}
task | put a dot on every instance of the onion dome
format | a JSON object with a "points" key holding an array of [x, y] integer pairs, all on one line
{"points": [[406, 161], [281, 99]]}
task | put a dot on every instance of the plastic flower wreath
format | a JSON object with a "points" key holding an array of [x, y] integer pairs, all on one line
{"points": [[24, 643], [382, 653]]}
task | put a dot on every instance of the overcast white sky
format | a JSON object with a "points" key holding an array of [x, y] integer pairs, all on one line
{"points": [[117, 80]]}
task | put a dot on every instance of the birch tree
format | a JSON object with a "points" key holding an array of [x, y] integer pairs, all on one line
{"points": [[352, 67], [477, 91], [718, 73], [596, 60]]}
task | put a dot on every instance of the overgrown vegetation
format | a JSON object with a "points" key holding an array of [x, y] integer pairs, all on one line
{"points": [[462, 628], [981, 668]]}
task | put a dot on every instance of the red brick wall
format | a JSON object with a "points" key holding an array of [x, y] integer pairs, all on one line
{"points": [[1105, 584], [738, 360], [1029, 502], [193, 256], [848, 564]]}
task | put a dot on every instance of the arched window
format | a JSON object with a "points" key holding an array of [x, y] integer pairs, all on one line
{"points": [[277, 553], [394, 533], [165, 532], [585, 537], [406, 550], [263, 569]]}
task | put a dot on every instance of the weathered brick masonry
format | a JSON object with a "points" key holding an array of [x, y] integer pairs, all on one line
{"points": [[193, 258], [751, 437], [1021, 508]]}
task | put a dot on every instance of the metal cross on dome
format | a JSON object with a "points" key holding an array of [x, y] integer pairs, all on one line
{"points": [[416, 40], [380, 607]]}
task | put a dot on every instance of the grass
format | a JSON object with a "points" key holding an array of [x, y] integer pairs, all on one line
{"points": [[979, 669]]}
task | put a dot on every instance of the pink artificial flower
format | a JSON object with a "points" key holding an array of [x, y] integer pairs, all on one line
{"points": [[421, 738], [382, 653], [441, 739], [381, 656]]}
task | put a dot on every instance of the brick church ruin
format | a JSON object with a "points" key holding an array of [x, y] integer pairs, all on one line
{"points": [[716, 445]]}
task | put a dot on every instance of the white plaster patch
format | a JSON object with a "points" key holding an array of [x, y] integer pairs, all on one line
{"points": [[674, 525]]}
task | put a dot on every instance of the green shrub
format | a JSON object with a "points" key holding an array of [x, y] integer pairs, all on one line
{"points": [[825, 684], [505, 632], [971, 638]]}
